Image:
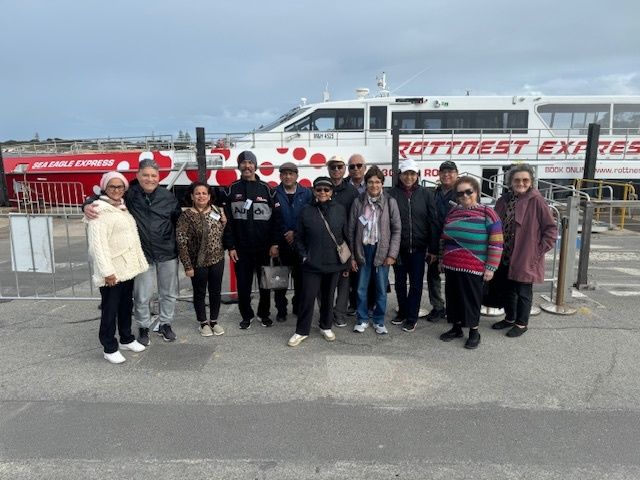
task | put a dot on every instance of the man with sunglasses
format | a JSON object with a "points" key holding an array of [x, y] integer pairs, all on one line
{"points": [[445, 197], [357, 169], [343, 193]]}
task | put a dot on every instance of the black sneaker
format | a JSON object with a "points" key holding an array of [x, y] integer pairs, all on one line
{"points": [[397, 320], [474, 339], [436, 315], [266, 322], [143, 337], [166, 333], [455, 332], [516, 331], [245, 324], [339, 322], [409, 326], [281, 318], [502, 324]]}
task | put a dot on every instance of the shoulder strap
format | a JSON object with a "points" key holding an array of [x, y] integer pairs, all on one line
{"points": [[328, 228]]}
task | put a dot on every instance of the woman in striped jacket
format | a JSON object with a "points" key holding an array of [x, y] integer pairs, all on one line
{"points": [[471, 246]]}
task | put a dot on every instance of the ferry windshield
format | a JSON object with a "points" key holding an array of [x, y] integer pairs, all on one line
{"points": [[283, 118]]}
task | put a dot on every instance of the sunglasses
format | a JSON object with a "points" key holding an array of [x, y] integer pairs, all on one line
{"points": [[322, 189], [336, 167], [353, 166], [468, 192]]}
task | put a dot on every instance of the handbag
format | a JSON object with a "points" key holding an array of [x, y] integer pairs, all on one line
{"points": [[344, 254], [274, 277]]}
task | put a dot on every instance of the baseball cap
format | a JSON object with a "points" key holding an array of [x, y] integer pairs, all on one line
{"points": [[409, 166], [448, 165], [335, 159]]}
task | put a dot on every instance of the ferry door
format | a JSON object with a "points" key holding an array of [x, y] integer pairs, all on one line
{"points": [[489, 177]]}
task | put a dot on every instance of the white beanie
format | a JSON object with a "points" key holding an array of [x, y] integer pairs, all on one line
{"points": [[104, 181]]}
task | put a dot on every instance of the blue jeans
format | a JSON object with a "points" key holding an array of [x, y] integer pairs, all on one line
{"points": [[411, 265], [381, 278]]}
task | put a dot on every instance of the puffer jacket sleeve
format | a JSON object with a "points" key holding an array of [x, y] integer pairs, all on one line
{"points": [[98, 237]]}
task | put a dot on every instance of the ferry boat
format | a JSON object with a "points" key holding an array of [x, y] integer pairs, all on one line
{"points": [[482, 134]]}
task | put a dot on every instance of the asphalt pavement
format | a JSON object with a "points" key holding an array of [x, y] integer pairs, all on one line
{"points": [[562, 401]]}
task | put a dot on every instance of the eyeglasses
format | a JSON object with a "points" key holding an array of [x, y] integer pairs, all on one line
{"points": [[353, 166], [336, 166], [322, 189], [115, 187], [468, 192], [521, 180]]}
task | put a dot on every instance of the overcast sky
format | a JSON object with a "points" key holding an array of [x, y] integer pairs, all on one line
{"points": [[89, 68]]}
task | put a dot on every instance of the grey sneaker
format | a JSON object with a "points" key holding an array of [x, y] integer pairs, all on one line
{"points": [[166, 333], [339, 322]]}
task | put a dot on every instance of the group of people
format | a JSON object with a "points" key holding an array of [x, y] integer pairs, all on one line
{"points": [[340, 238]]}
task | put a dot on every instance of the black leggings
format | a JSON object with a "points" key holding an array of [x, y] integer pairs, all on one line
{"points": [[207, 278]]}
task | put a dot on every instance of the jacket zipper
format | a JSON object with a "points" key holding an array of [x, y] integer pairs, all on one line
{"points": [[410, 228]]}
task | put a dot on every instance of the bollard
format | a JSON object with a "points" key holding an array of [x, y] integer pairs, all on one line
{"points": [[559, 307]]}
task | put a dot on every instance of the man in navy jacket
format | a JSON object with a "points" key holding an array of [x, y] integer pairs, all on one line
{"points": [[292, 198]]}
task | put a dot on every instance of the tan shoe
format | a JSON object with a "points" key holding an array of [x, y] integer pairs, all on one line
{"points": [[328, 335], [205, 330], [217, 329]]}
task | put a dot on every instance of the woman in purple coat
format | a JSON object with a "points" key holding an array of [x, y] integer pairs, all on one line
{"points": [[529, 232]]}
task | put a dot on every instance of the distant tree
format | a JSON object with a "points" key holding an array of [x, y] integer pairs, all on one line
{"points": [[36, 137], [180, 136], [187, 137]]}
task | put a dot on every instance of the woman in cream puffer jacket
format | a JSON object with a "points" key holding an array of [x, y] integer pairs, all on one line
{"points": [[114, 246]]}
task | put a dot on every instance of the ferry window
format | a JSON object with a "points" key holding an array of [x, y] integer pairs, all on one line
{"points": [[626, 119], [431, 122], [407, 122], [323, 120], [350, 119], [377, 118], [301, 125], [574, 118]]}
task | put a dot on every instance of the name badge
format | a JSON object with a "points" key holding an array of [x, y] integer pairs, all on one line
{"points": [[247, 204], [363, 220], [214, 215]]}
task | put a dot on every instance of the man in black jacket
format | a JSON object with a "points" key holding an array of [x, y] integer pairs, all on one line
{"points": [[444, 196], [252, 234], [418, 242], [343, 193], [156, 211]]}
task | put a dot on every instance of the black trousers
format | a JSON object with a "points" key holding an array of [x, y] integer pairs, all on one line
{"points": [[463, 293], [117, 302], [207, 279], [290, 258], [518, 300], [250, 263], [314, 283]]}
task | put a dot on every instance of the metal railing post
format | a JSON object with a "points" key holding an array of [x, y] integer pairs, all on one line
{"points": [[559, 307], [585, 247]]}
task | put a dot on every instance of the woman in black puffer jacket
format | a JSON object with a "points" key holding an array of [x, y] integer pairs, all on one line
{"points": [[321, 265]]}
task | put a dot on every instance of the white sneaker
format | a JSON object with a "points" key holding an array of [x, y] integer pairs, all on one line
{"points": [[218, 330], [361, 327], [328, 335], [205, 330], [115, 357], [134, 346], [296, 340], [381, 330]]}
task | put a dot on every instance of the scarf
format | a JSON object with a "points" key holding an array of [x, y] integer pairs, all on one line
{"points": [[119, 204], [371, 232]]}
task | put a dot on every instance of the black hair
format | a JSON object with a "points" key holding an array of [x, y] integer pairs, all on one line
{"points": [[192, 189]]}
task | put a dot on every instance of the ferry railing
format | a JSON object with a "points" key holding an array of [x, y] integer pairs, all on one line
{"points": [[628, 193], [55, 146]]}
